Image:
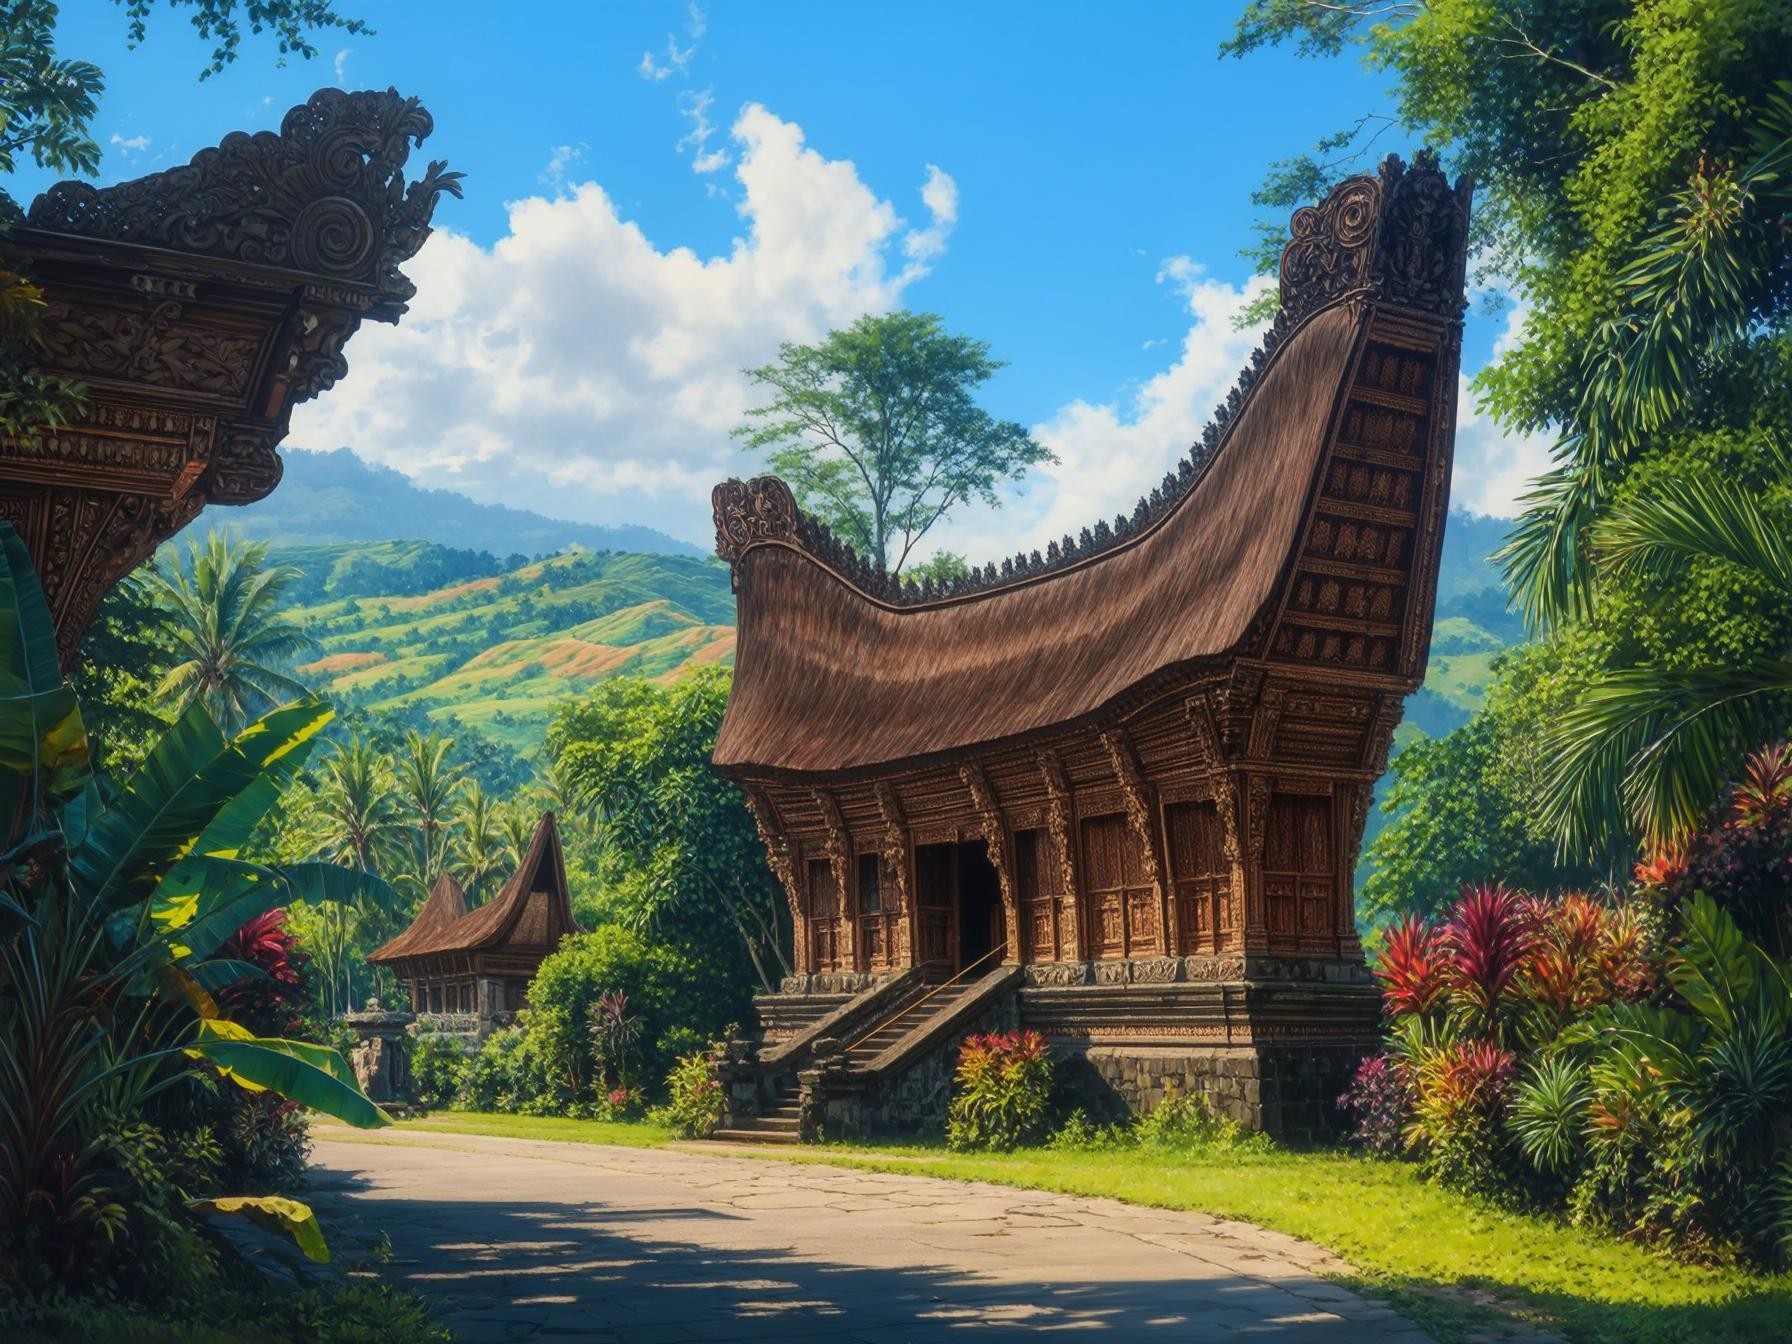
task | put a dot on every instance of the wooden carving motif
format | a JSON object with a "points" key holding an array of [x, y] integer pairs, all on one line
{"points": [[777, 849], [198, 306], [895, 859], [837, 845], [748, 512], [1141, 817], [1057, 820], [325, 196]]}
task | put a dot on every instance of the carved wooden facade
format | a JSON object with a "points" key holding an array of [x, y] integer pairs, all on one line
{"points": [[197, 307], [1150, 750]]}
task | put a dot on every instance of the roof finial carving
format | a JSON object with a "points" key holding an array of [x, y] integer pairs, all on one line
{"points": [[326, 195]]}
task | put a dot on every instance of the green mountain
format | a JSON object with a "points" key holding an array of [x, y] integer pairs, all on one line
{"points": [[464, 639], [338, 497]]}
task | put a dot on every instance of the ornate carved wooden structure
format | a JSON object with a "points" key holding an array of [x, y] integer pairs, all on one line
{"points": [[198, 306], [476, 964], [1139, 764]]}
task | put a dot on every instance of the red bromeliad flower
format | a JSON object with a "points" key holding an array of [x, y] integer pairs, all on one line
{"points": [[1766, 786], [1488, 936], [1477, 1073], [1661, 868], [1411, 967], [272, 1006]]}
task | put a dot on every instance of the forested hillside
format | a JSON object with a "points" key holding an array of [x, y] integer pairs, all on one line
{"points": [[495, 645]]}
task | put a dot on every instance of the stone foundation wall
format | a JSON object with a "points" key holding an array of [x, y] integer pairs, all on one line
{"points": [[1291, 1091]]}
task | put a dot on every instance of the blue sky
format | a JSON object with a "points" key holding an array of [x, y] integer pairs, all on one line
{"points": [[658, 194]]}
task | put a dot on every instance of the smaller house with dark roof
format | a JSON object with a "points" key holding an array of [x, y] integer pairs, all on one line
{"points": [[476, 963]]}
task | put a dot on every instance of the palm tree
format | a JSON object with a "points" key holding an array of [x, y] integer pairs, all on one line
{"points": [[227, 626], [1648, 749], [429, 786], [479, 846], [516, 828], [358, 824]]}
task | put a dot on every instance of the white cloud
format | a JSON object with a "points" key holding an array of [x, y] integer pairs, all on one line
{"points": [[577, 368], [561, 161], [1495, 469], [651, 70], [939, 193], [136, 144], [677, 59], [695, 107], [341, 64], [1111, 453]]}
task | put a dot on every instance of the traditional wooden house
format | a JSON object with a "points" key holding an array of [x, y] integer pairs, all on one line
{"points": [[1115, 791], [473, 966]]}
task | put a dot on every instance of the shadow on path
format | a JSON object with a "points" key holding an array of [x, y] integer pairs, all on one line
{"points": [[583, 1270]]}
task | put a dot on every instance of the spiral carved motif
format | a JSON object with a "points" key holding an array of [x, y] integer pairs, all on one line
{"points": [[332, 235]]}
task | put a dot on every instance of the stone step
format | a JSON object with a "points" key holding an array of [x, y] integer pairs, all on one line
{"points": [[738, 1135]]}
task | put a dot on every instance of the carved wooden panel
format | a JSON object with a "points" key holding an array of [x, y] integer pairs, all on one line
{"points": [[1039, 903], [1121, 899], [935, 878], [1202, 875], [823, 916], [1299, 879]]}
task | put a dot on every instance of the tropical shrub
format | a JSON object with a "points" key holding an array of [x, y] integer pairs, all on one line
{"points": [[1185, 1122], [1581, 1058], [438, 1069], [113, 914], [606, 1009], [694, 1101], [1380, 1104], [1000, 1091]]}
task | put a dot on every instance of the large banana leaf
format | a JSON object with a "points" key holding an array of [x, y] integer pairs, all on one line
{"points": [[276, 1212], [183, 789], [203, 900], [43, 744], [315, 1076]]}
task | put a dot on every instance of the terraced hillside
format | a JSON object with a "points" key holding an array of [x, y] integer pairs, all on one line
{"points": [[499, 650]]}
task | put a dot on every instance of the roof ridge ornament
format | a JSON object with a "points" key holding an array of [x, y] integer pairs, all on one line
{"points": [[326, 195], [1399, 237]]}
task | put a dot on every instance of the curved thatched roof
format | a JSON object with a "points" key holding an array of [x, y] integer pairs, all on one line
{"points": [[532, 909], [837, 668]]}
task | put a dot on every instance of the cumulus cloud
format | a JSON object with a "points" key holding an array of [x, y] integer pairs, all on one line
{"points": [[135, 144], [341, 65], [578, 368], [694, 106], [1112, 452], [1495, 469]]}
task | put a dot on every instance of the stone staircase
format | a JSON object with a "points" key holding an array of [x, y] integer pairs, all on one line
{"points": [[786, 1091], [779, 1119]]}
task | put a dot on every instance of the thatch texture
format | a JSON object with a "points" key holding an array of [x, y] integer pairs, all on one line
{"points": [[830, 679], [532, 910]]}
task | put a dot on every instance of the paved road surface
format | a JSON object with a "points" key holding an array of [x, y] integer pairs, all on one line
{"points": [[528, 1240]]}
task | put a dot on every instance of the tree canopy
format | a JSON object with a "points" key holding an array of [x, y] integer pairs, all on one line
{"points": [[877, 431]]}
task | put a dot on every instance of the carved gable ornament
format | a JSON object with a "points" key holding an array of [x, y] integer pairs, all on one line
{"points": [[197, 307]]}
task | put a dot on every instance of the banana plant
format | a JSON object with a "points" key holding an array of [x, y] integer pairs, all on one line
{"points": [[112, 911]]}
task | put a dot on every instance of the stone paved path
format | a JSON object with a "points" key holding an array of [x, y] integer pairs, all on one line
{"points": [[531, 1240]]}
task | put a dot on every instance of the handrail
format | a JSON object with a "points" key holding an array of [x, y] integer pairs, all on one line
{"points": [[944, 985]]}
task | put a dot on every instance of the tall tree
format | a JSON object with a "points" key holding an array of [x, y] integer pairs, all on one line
{"points": [[225, 602], [478, 845], [430, 784], [689, 856], [358, 826], [877, 431]]}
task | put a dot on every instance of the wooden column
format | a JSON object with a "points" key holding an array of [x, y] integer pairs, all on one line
{"points": [[1059, 821]]}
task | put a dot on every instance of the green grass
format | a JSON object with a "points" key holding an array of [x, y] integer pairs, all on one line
{"points": [[1454, 1264]]}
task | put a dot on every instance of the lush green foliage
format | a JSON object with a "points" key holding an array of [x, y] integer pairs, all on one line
{"points": [[877, 431], [1001, 1091], [438, 1069], [685, 860], [1551, 1051], [694, 1100], [114, 914]]}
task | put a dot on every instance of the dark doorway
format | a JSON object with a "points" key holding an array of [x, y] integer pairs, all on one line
{"points": [[980, 925]]}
